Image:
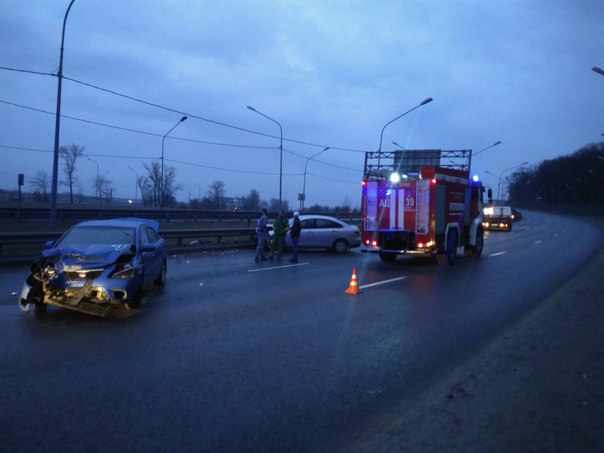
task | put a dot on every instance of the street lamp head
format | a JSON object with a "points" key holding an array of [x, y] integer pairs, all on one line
{"points": [[598, 70], [183, 118], [325, 149], [425, 101], [497, 143], [400, 146], [251, 108]]}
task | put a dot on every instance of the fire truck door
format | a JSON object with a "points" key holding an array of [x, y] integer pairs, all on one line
{"points": [[371, 206], [440, 211], [397, 209]]}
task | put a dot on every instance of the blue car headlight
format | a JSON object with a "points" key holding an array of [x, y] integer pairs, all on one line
{"points": [[127, 271]]}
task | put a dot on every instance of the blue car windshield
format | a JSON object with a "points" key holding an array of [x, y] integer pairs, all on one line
{"points": [[97, 235]]}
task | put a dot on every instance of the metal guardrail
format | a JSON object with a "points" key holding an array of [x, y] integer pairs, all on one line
{"points": [[78, 213], [176, 239], [89, 213], [190, 239]]}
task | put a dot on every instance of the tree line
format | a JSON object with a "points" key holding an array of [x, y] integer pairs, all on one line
{"points": [[576, 179], [156, 189]]}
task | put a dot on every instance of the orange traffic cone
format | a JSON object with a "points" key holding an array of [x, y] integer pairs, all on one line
{"points": [[353, 288]]}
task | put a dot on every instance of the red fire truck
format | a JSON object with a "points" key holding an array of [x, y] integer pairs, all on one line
{"points": [[421, 202]]}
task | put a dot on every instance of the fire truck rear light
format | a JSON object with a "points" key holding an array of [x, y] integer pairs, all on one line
{"points": [[427, 245], [433, 181], [374, 243]]}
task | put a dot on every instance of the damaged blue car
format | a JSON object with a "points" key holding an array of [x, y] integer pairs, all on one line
{"points": [[97, 267]]}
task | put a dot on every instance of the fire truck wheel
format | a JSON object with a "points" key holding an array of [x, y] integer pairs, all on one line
{"points": [[387, 257], [451, 251], [477, 252]]}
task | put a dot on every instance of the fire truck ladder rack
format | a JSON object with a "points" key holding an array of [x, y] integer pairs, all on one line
{"points": [[379, 165]]}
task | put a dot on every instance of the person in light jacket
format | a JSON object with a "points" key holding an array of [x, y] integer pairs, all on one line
{"points": [[261, 232]]}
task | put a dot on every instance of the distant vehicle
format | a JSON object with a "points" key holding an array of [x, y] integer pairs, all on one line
{"points": [[324, 232], [97, 266], [498, 218]]}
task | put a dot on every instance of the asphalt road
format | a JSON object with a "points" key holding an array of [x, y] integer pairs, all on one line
{"points": [[535, 388], [237, 356]]}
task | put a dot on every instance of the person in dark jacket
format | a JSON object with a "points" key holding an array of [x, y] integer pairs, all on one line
{"points": [[294, 233]]}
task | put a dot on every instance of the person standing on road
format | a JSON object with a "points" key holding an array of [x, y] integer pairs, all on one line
{"points": [[261, 231], [280, 228], [294, 233]]}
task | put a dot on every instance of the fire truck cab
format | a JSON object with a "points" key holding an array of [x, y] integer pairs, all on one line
{"points": [[414, 204]]}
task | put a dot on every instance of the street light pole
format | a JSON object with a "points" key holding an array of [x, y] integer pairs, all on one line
{"points": [[478, 152], [303, 198], [55, 160], [280, 151], [96, 183], [135, 184], [488, 147], [424, 102], [161, 183], [501, 175]]}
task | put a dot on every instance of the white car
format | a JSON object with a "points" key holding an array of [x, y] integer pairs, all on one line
{"points": [[324, 232]]}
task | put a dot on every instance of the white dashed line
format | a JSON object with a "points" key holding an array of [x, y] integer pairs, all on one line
{"points": [[497, 254], [382, 282], [277, 267]]}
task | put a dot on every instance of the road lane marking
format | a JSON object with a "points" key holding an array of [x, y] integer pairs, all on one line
{"points": [[277, 267], [497, 254], [382, 282], [538, 242]]}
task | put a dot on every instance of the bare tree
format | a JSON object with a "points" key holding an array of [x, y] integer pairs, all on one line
{"points": [[145, 188], [39, 183], [252, 201], [216, 194], [162, 192], [169, 187], [70, 155], [153, 181], [103, 187], [274, 205]]}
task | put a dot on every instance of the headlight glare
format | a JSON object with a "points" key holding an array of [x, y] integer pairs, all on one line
{"points": [[127, 271]]}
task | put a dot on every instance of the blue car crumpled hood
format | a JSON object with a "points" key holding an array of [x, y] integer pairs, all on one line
{"points": [[88, 255]]}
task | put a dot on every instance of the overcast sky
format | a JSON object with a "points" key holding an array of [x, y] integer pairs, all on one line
{"points": [[331, 72]]}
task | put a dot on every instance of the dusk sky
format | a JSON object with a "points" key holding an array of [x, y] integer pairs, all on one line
{"points": [[331, 72]]}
